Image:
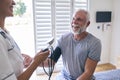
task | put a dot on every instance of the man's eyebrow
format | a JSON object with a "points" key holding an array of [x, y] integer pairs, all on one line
{"points": [[79, 18]]}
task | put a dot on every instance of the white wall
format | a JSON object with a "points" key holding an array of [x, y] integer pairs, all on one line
{"points": [[110, 37], [104, 36], [115, 47]]}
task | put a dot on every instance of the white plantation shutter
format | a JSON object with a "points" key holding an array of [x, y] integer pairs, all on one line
{"points": [[81, 4], [62, 21], [43, 25], [52, 18]]}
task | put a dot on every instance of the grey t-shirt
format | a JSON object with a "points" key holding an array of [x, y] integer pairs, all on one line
{"points": [[74, 53]]}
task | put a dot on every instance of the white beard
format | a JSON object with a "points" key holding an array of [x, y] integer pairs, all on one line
{"points": [[80, 30]]}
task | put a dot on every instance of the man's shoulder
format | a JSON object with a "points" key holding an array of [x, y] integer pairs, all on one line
{"points": [[67, 34], [93, 36]]}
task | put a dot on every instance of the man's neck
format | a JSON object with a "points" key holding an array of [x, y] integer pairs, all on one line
{"points": [[80, 36]]}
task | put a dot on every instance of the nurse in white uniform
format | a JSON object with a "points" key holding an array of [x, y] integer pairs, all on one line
{"points": [[12, 61]]}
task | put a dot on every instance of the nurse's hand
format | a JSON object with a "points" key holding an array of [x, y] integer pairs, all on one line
{"points": [[27, 60], [41, 56]]}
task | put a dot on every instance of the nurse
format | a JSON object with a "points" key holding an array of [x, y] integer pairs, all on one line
{"points": [[12, 61]]}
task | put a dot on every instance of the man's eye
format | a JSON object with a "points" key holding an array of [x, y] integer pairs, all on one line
{"points": [[79, 19]]}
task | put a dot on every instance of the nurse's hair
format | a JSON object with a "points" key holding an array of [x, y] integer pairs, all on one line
{"points": [[86, 13]]}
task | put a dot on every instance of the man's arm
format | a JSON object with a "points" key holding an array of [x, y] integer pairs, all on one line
{"points": [[90, 66]]}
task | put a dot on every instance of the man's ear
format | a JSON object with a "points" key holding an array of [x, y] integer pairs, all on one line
{"points": [[88, 23]]}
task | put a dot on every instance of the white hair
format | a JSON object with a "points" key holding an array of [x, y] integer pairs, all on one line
{"points": [[86, 14]]}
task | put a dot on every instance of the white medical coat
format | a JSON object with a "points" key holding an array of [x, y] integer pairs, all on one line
{"points": [[11, 61]]}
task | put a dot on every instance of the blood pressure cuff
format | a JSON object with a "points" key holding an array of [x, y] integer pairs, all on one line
{"points": [[56, 54]]}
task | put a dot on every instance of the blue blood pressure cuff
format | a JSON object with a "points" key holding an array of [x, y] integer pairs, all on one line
{"points": [[56, 54]]}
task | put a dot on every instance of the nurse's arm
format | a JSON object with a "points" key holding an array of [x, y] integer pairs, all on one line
{"points": [[40, 57]]}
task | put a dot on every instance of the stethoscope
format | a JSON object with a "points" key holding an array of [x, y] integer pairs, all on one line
{"points": [[10, 43]]}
